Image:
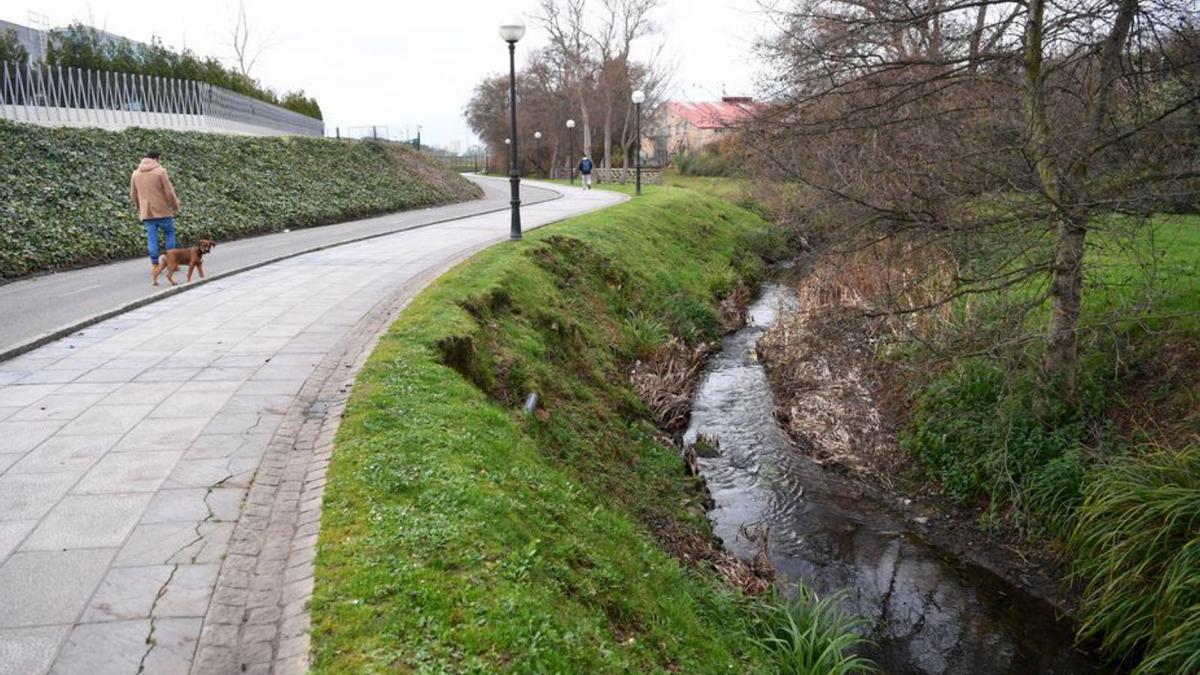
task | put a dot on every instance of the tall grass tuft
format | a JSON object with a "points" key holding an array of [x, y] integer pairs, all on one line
{"points": [[1137, 548], [643, 333], [805, 635]]}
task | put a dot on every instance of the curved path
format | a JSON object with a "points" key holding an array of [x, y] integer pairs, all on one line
{"points": [[161, 472], [40, 309]]}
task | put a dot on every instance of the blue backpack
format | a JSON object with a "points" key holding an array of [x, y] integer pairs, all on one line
{"points": [[586, 165]]}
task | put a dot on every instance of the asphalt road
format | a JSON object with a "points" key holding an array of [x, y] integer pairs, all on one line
{"points": [[35, 308]]}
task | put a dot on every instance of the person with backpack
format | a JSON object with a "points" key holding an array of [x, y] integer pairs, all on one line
{"points": [[585, 170]]}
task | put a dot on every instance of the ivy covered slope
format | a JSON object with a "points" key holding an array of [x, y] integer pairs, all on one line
{"points": [[460, 535], [64, 193]]}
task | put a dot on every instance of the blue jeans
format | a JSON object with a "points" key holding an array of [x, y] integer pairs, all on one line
{"points": [[153, 225]]}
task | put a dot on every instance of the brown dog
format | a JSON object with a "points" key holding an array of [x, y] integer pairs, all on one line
{"points": [[193, 257]]}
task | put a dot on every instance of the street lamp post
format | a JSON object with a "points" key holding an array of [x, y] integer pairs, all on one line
{"points": [[537, 152], [638, 97], [571, 150], [512, 30]]}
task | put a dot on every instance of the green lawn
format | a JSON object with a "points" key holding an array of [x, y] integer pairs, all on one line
{"points": [[1152, 272], [732, 190], [459, 535], [1111, 473]]}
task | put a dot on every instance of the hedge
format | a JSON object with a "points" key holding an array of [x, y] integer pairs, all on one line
{"points": [[64, 193]]}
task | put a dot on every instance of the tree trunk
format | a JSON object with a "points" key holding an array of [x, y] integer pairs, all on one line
{"points": [[1058, 362], [976, 39], [608, 136], [1068, 193]]}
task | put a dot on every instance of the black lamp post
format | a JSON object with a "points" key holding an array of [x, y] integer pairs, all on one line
{"points": [[571, 150], [512, 30], [537, 152], [638, 97]]}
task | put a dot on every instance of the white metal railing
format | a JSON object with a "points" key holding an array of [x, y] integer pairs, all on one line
{"points": [[53, 95]]}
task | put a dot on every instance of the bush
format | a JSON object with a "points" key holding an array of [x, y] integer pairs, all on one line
{"points": [[982, 430], [809, 636], [719, 159], [706, 162], [64, 193], [80, 46], [1137, 549]]}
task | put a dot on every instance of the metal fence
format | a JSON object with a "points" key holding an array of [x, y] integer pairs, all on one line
{"points": [[57, 96], [471, 163]]}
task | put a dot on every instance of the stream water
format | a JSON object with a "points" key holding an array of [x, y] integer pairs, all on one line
{"points": [[927, 613]]}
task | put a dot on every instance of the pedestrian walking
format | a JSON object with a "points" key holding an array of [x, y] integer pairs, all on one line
{"points": [[154, 198], [585, 170]]}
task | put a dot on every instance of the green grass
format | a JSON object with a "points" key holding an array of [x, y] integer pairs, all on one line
{"points": [[732, 190], [972, 424], [459, 535], [1137, 546], [1124, 504], [810, 636]]}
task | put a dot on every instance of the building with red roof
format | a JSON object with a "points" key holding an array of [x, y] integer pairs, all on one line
{"points": [[682, 127]]}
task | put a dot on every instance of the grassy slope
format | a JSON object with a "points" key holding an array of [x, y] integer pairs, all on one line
{"points": [[460, 535], [1141, 296], [1109, 474], [64, 193]]}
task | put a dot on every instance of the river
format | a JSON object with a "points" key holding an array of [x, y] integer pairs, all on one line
{"points": [[927, 612]]}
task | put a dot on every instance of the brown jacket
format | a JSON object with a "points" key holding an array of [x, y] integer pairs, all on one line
{"points": [[151, 192]]}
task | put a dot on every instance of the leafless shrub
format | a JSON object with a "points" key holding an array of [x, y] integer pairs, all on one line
{"points": [[993, 132], [666, 380]]}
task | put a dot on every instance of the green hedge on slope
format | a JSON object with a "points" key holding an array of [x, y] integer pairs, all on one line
{"points": [[64, 193]]}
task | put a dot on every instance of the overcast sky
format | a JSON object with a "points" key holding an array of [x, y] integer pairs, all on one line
{"points": [[404, 62]]}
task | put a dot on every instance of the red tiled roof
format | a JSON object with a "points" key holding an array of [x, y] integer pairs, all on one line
{"points": [[730, 111]]}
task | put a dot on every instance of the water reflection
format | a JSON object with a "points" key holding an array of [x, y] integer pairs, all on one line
{"points": [[928, 614]]}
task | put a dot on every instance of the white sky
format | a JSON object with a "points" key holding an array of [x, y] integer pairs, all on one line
{"points": [[402, 62]]}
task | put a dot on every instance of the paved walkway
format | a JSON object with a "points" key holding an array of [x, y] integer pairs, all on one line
{"points": [[161, 472], [34, 308]]}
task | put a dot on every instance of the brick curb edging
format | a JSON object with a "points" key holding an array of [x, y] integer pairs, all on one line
{"points": [[258, 620]]}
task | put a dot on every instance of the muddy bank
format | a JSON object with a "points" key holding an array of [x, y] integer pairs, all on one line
{"points": [[843, 408], [928, 611]]}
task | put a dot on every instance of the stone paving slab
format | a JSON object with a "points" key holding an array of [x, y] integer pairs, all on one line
{"points": [[161, 472]]}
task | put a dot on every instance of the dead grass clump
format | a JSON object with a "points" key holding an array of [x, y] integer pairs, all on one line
{"points": [[821, 357], [732, 309], [895, 282], [752, 578], [665, 381]]}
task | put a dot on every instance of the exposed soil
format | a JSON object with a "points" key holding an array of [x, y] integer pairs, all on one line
{"points": [[843, 408]]}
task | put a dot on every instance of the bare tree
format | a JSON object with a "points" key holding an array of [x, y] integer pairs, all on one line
{"points": [[622, 23], [1002, 126], [592, 43], [245, 52], [565, 20]]}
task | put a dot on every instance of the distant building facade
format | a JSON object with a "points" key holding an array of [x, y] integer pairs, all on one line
{"points": [[682, 127], [32, 39]]}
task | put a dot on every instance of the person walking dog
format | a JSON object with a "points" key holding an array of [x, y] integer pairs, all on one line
{"points": [[154, 197], [585, 170]]}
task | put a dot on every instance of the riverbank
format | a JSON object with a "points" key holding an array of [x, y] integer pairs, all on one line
{"points": [[942, 413], [845, 409], [924, 611], [461, 534]]}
